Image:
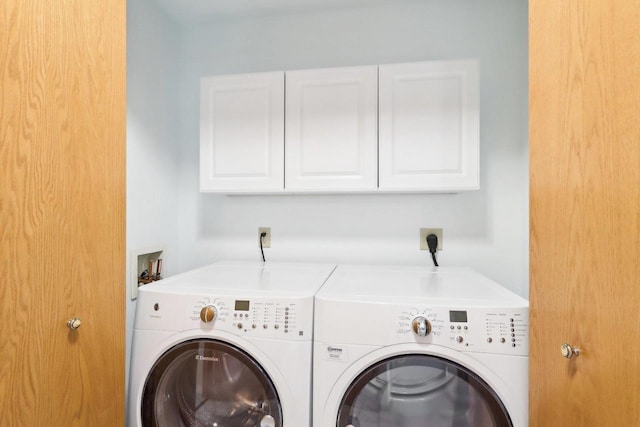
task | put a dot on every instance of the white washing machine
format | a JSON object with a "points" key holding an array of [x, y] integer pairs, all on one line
{"points": [[415, 347], [229, 344]]}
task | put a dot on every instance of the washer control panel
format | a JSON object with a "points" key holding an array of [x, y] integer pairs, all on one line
{"points": [[268, 318], [490, 330]]}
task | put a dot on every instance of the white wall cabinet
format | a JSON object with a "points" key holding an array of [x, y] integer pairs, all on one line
{"points": [[242, 133], [393, 128], [331, 129], [429, 126]]}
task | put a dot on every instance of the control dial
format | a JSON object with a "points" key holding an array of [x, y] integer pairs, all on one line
{"points": [[421, 326], [208, 313]]}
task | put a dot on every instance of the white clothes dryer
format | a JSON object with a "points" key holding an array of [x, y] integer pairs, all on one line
{"points": [[415, 346], [229, 344]]}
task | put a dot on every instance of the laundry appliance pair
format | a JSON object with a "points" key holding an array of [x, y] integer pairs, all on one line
{"points": [[232, 345]]}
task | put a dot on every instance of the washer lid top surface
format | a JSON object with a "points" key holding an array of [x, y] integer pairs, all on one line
{"points": [[231, 277], [399, 284]]}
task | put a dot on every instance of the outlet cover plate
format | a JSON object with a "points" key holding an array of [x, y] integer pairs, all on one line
{"points": [[266, 243], [424, 232]]}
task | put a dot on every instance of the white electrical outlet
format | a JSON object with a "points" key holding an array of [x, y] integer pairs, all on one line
{"points": [[266, 240], [424, 232]]}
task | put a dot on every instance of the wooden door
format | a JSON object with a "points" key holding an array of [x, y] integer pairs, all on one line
{"points": [[331, 129], [62, 212], [585, 212]]}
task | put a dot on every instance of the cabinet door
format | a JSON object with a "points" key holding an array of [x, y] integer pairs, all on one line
{"points": [[331, 129], [429, 126], [242, 132]]}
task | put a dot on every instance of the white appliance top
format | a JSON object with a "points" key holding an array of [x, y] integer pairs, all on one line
{"points": [[255, 279], [414, 284]]}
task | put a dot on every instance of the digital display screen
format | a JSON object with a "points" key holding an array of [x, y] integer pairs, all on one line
{"points": [[242, 305], [457, 316]]}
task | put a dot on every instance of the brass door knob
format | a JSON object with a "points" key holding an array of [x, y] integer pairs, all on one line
{"points": [[568, 351], [74, 323]]}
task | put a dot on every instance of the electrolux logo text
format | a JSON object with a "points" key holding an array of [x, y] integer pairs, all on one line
{"points": [[207, 359]]}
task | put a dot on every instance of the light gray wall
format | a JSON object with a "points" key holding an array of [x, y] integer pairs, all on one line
{"points": [[486, 229], [152, 135]]}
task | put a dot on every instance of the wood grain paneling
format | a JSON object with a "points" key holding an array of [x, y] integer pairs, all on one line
{"points": [[585, 212], [62, 212]]}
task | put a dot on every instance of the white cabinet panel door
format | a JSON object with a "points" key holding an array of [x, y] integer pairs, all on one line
{"points": [[429, 126], [331, 129], [242, 132]]}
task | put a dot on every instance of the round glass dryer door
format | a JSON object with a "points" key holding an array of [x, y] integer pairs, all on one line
{"points": [[419, 390], [208, 383]]}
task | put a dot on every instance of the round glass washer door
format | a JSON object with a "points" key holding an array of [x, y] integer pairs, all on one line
{"points": [[419, 390], [209, 383]]}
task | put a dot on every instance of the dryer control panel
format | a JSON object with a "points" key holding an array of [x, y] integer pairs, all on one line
{"points": [[258, 317], [490, 330], [289, 318]]}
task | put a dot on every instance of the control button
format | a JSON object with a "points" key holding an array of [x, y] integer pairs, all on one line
{"points": [[265, 326], [502, 340], [235, 314], [239, 325], [286, 317], [246, 315], [513, 335], [489, 340], [254, 326], [286, 309], [208, 313], [513, 330], [286, 330], [513, 345], [459, 339], [452, 327], [421, 326], [511, 320], [276, 326], [286, 322], [459, 327], [466, 328]]}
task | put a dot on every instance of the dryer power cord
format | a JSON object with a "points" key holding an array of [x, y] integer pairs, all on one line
{"points": [[432, 242], [262, 236]]}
